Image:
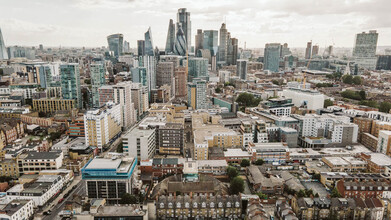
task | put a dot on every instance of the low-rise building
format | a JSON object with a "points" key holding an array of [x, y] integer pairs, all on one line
{"points": [[363, 189], [377, 162], [32, 162], [341, 164], [270, 152], [171, 138], [53, 105], [17, 209], [369, 141], [311, 208], [267, 185], [39, 191], [140, 143]]}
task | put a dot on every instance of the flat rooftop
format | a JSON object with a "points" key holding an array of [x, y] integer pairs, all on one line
{"points": [[233, 152], [104, 163]]}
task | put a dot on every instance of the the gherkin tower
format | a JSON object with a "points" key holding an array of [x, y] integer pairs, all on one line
{"points": [[180, 46]]}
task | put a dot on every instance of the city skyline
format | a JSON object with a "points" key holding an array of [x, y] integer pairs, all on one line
{"points": [[88, 22]]}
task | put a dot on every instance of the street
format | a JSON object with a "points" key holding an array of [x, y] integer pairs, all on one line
{"points": [[55, 207]]}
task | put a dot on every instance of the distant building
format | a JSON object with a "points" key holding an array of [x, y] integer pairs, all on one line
{"points": [[272, 57], [241, 69], [183, 20], [115, 42], [308, 52], [196, 94], [198, 68], [3, 49], [180, 82], [364, 51], [98, 79], [149, 49], [383, 62], [170, 37]]}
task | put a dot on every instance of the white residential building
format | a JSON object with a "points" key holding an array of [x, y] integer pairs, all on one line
{"points": [[17, 209], [123, 96]]}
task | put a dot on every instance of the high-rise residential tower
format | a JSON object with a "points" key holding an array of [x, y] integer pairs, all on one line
{"points": [[170, 37], [183, 18], [149, 50], [232, 53], [315, 50], [196, 94], [308, 53], [115, 42], [364, 51], [97, 72], [3, 49], [70, 82], [223, 46], [272, 57]]}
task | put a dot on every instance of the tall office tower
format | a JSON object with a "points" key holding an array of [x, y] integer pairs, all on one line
{"points": [[3, 49], [165, 74], [241, 69], [180, 42], [198, 68], [126, 47], [140, 48], [183, 18], [98, 79], [308, 50], [285, 50], [199, 41], [364, 51], [149, 50], [139, 75], [102, 125], [180, 82], [196, 94], [210, 41], [170, 37], [116, 42], [315, 50], [123, 97], [272, 57], [232, 54], [149, 63], [223, 46], [70, 83]]}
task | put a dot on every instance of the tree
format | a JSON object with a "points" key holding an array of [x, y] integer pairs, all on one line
{"points": [[232, 172], [385, 107], [350, 94], [276, 82], [262, 196], [128, 199], [348, 79], [218, 90], [120, 148], [259, 162], [357, 80], [316, 195], [245, 163], [301, 193], [362, 95], [237, 185], [316, 176], [247, 100], [335, 193], [87, 81], [327, 103]]}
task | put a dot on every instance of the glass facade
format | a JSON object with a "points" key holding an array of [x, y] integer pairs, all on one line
{"points": [[272, 57], [70, 83], [97, 72], [115, 42]]}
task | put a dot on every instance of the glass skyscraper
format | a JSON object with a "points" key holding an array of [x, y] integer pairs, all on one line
{"points": [[70, 82], [170, 37], [198, 68], [3, 49], [272, 57], [97, 72], [180, 43], [210, 41], [223, 44], [183, 18], [364, 51], [140, 48], [115, 42], [149, 50]]}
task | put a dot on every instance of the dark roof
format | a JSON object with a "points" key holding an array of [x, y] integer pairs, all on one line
{"points": [[42, 155], [165, 161]]}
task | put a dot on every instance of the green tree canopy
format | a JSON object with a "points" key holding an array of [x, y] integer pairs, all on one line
{"points": [[385, 107], [232, 172], [327, 103], [335, 193], [357, 80], [247, 100], [237, 185], [218, 90], [348, 79], [245, 163], [262, 196], [128, 199], [259, 162]]}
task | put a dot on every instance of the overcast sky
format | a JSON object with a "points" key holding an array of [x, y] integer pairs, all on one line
{"points": [[88, 22]]}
